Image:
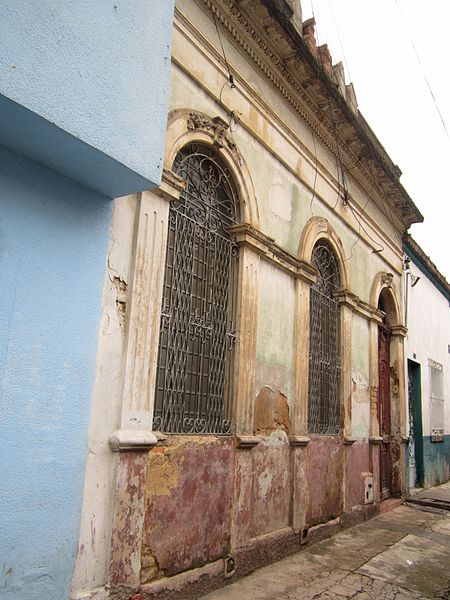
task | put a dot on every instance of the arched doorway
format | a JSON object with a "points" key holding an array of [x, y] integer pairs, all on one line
{"points": [[387, 415], [384, 402]]}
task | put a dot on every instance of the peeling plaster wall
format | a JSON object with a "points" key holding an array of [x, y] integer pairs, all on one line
{"points": [[360, 378], [187, 505], [93, 548], [271, 501], [54, 237], [275, 333], [357, 462], [207, 496], [279, 174], [325, 472]]}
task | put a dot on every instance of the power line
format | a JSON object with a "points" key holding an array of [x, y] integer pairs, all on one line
{"points": [[230, 76], [419, 61], [339, 167], [339, 39], [316, 166]]}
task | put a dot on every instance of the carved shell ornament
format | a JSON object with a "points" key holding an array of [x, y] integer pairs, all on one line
{"points": [[387, 279], [217, 127]]}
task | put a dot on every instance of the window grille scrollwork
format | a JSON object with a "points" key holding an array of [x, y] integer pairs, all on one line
{"points": [[197, 329], [324, 355]]}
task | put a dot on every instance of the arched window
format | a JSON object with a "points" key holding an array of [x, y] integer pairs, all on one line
{"points": [[324, 356], [198, 329]]}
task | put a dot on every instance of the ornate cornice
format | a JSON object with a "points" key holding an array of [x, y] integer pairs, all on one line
{"points": [[282, 56]]}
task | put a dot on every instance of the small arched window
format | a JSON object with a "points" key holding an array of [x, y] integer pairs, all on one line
{"points": [[198, 328], [324, 414]]}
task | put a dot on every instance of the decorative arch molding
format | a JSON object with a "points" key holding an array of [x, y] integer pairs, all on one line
{"points": [[383, 283], [319, 228], [383, 286], [187, 126]]}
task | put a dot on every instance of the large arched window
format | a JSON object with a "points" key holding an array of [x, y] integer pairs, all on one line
{"points": [[324, 356], [198, 329]]}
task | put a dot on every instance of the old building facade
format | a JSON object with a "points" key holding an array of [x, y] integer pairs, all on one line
{"points": [[250, 391], [427, 303]]}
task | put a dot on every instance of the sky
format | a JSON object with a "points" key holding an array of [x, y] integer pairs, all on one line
{"points": [[390, 49]]}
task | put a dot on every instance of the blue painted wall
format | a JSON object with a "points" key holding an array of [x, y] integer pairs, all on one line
{"points": [[436, 460], [54, 236], [95, 76]]}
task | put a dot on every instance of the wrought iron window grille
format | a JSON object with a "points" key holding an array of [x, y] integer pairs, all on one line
{"points": [[324, 407], [198, 324]]}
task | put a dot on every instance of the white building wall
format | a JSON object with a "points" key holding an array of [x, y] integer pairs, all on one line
{"points": [[428, 322]]}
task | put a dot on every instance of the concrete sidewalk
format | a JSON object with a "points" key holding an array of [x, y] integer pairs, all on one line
{"points": [[400, 555], [437, 497]]}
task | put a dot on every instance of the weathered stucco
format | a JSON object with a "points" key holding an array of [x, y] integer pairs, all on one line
{"points": [[357, 463], [325, 473], [187, 505], [360, 378], [271, 502], [275, 330], [236, 502]]}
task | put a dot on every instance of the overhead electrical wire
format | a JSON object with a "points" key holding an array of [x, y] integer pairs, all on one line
{"points": [[230, 76], [339, 169], [419, 61], [339, 164], [347, 70], [316, 166], [371, 149], [232, 114]]}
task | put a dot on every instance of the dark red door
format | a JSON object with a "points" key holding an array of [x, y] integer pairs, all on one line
{"points": [[384, 411]]}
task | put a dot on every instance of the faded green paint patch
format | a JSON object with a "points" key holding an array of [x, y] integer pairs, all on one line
{"points": [[275, 317], [360, 346], [360, 428], [275, 338], [299, 202]]}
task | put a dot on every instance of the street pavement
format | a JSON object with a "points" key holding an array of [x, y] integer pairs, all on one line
{"points": [[401, 554]]}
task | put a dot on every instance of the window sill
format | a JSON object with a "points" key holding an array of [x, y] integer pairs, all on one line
{"points": [[132, 439], [246, 442], [299, 440]]}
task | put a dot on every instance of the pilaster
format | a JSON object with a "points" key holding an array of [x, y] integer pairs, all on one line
{"points": [[246, 347], [347, 305], [299, 419], [144, 316], [374, 427]]}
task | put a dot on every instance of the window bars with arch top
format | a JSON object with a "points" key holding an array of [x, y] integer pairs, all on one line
{"points": [[198, 327], [324, 414]]}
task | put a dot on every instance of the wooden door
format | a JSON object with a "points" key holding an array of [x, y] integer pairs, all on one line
{"points": [[384, 410]]}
